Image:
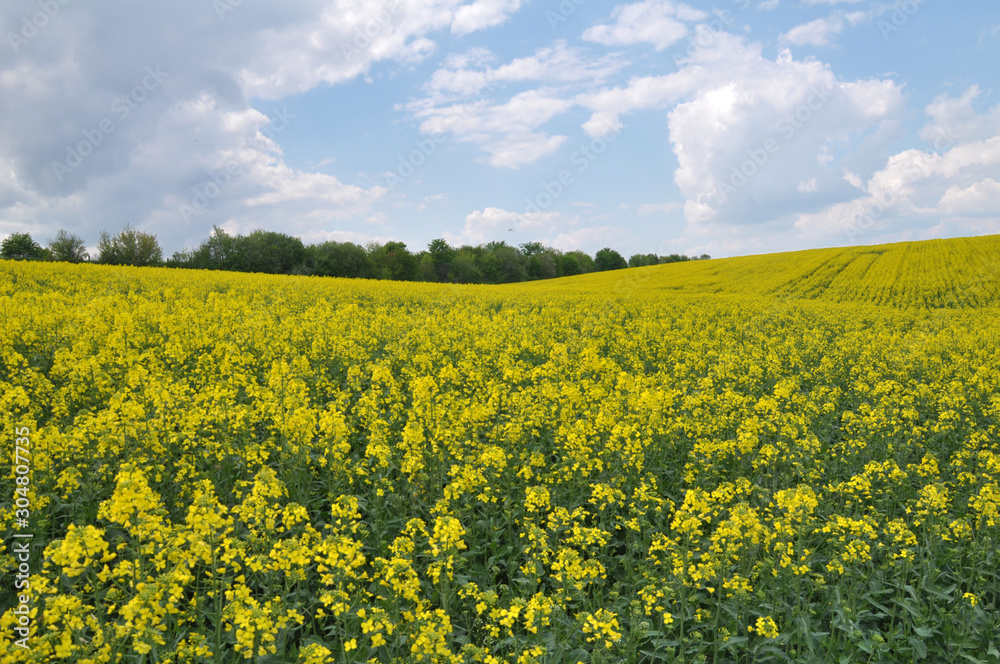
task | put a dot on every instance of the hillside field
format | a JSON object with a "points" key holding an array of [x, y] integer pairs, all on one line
{"points": [[782, 458]]}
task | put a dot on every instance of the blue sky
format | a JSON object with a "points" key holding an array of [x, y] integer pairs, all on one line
{"points": [[739, 127]]}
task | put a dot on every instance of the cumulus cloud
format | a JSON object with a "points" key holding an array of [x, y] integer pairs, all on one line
{"points": [[953, 184], [483, 14], [661, 23], [468, 99], [490, 224], [821, 31], [981, 198]]}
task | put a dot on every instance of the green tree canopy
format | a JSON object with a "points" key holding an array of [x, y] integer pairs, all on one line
{"points": [[129, 247], [340, 259], [609, 259], [269, 252], [393, 261], [640, 260], [20, 246], [68, 247]]}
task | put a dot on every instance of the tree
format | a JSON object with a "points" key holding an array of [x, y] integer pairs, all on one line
{"points": [[268, 252], [340, 259], [130, 247], [569, 265], [641, 260], [502, 264], [583, 260], [674, 258], [442, 256], [463, 268], [529, 249], [67, 247], [393, 261], [609, 259], [218, 252], [543, 265], [20, 246]]}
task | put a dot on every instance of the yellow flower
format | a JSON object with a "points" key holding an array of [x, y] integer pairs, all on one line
{"points": [[766, 627]]}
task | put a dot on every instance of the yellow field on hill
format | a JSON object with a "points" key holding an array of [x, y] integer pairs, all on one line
{"points": [[791, 457], [960, 272]]}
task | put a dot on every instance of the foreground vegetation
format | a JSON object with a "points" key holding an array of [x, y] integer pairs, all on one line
{"points": [[766, 459]]}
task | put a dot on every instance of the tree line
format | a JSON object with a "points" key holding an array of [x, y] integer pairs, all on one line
{"points": [[271, 252]]}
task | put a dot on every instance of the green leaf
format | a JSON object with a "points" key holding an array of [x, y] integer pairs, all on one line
{"points": [[974, 660], [919, 646], [736, 640]]}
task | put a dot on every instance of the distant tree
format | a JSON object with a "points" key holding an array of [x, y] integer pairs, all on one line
{"points": [[393, 260], [67, 247], [129, 247], [464, 269], [269, 252], [442, 255], [180, 258], [542, 265], [674, 258], [218, 252], [704, 257], [569, 265], [531, 248], [20, 246], [609, 259], [641, 260], [584, 260], [425, 267], [340, 259], [502, 264]]}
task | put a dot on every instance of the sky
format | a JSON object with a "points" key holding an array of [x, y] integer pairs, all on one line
{"points": [[728, 128]]}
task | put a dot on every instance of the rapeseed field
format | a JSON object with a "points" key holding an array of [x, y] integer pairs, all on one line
{"points": [[783, 458]]}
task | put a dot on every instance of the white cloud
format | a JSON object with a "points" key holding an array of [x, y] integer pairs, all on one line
{"points": [[821, 31], [493, 224], [854, 179], [751, 129], [807, 186], [953, 190], [657, 22], [977, 199], [589, 239], [954, 119], [483, 14], [461, 100]]}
